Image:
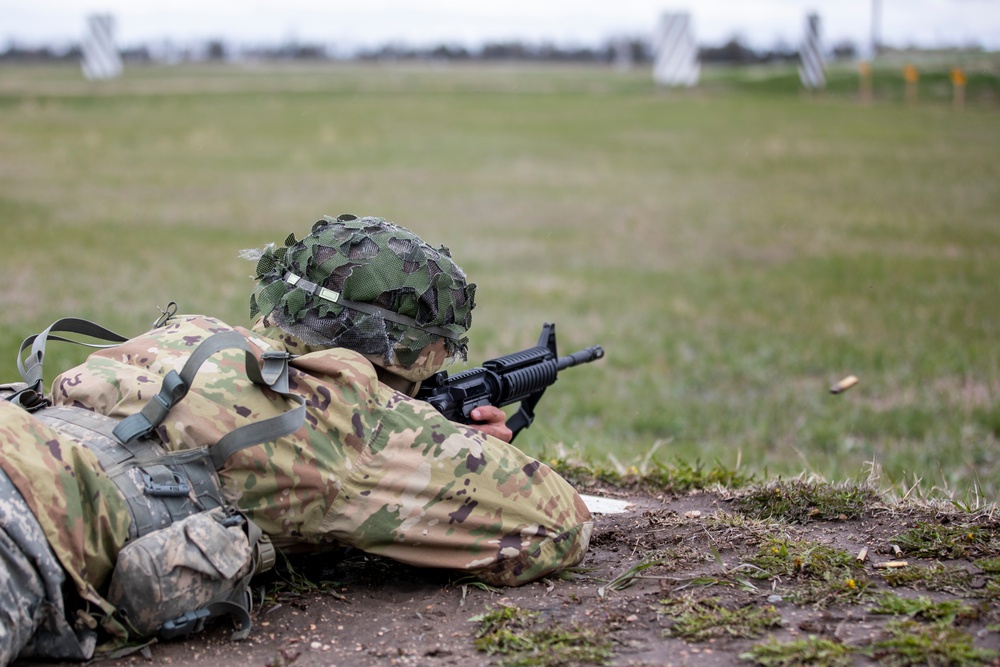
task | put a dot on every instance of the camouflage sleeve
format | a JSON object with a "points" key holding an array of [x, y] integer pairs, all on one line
{"points": [[436, 494], [76, 505]]}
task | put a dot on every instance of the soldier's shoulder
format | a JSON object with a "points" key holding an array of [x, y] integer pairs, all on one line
{"points": [[340, 363]]}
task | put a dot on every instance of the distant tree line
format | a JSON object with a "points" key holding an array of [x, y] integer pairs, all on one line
{"points": [[625, 50]]}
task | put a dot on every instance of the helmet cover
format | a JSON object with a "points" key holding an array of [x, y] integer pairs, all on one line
{"points": [[368, 285]]}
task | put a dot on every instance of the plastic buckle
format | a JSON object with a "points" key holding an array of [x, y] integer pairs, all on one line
{"points": [[187, 623], [179, 488], [231, 519]]}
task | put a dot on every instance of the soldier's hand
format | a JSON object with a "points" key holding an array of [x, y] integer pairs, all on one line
{"points": [[491, 421]]}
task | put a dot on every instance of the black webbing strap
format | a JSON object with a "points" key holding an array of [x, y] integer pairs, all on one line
{"points": [[194, 621], [273, 373], [31, 367]]}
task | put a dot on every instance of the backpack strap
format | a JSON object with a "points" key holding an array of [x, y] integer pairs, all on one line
{"points": [[31, 367], [192, 622], [272, 372]]}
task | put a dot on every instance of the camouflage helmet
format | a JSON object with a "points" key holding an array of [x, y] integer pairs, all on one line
{"points": [[369, 285]]}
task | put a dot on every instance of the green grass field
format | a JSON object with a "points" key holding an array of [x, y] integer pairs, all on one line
{"points": [[736, 248]]}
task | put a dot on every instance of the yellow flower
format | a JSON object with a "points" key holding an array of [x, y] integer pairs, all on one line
{"points": [[850, 584]]}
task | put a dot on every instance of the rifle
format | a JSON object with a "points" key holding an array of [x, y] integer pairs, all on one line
{"points": [[519, 377]]}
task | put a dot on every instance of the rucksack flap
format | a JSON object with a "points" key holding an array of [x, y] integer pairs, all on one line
{"points": [[172, 581]]}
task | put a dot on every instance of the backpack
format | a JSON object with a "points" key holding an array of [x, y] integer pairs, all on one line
{"points": [[190, 555]]}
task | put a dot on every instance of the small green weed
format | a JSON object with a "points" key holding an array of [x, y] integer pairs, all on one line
{"points": [[832, 590], [802, 558], [910, 643], [502, 630], [989, 565], [935, 577], [945, 612], [722, 520], [831, 576], [934, 540], [294, 578], [702, 620], [812, 651], [905, 644], [517, 634], [990, 593], [629, 576], [799, 501], [675, 558], [737, 531], [470, 582]]}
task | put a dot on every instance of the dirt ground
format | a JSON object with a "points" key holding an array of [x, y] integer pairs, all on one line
{"points": [[382, 613]]}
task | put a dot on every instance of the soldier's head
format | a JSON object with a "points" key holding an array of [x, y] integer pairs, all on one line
{"points": [[371, 286]]}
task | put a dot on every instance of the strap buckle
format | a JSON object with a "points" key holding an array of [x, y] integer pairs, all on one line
{"points": [[179, 487], [187, 623]]}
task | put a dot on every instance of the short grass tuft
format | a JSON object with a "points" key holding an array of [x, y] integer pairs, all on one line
{"points": [[523, 640], [989, 565], [945, 612], [908, 643], [830, 576], [680, 476], [707, 619], [936, 577], [799, 501], [812, 651], [950, 541]]}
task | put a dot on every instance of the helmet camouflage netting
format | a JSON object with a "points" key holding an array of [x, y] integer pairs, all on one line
{"points": [[368, 285]]}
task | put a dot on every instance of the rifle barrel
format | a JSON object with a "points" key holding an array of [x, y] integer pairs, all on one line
{"points": [[583, 356]]}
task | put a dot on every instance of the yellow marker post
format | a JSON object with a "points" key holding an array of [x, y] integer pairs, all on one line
{"points": [[865, 72], [911, 76], [958, 88]]}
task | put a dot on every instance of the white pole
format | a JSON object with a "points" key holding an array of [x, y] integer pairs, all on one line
{"points": [[811, 67], [676, 52], [876, 26], [100, 55]]}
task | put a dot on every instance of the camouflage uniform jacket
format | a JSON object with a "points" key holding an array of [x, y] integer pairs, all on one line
{"points": [[370, 468], [76, 505]]}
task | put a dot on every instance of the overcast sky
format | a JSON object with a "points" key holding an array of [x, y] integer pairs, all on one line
{"points": [[761, 23]]}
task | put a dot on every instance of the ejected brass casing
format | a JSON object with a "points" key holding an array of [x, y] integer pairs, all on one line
{"points": [[844, 384]]}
